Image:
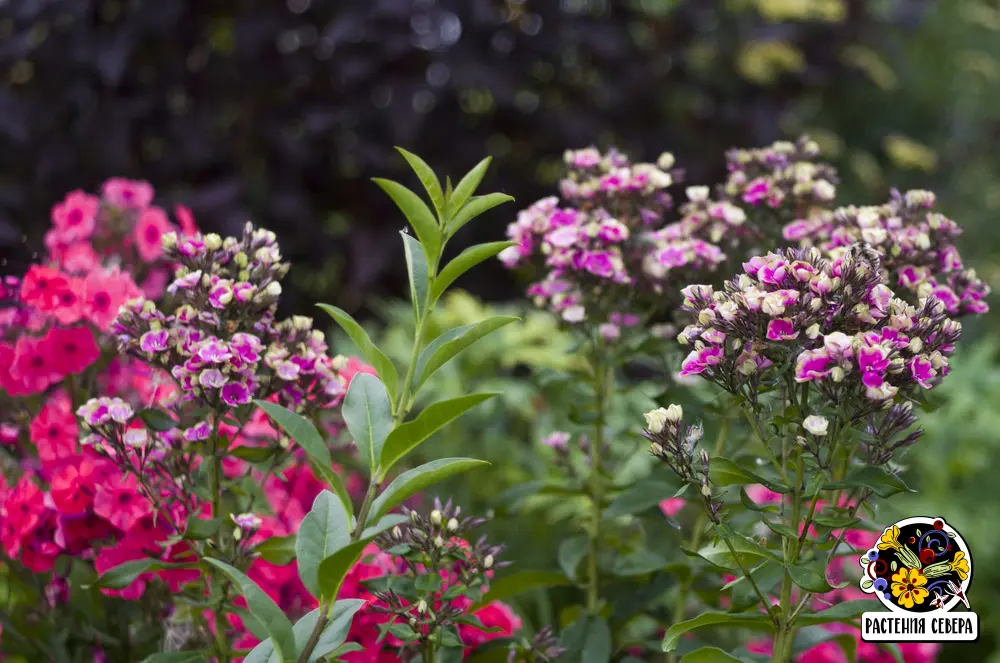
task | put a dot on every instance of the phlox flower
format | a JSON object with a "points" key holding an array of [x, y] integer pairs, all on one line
{"points": [[75, 216], [149, 230], [54, 431]]}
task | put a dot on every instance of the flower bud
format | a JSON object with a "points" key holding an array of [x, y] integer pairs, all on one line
{"points": [[438, 541], [168, 240], [422, 606], [452, 524], [436, 517], [273, 289], [657, 419], [213, 242], [241, 260], [488, 561], [816, 424], [665, 161], [706, 490], [656, 449]]}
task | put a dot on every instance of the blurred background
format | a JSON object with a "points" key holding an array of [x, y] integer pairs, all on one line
{"points": [[281, 110]]}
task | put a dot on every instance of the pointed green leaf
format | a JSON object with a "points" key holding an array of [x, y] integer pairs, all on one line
{"points": [[709, 655], [412, 482], [812, 577], [387, 522], [571, 553], [416, 267], [334, 568], [123, 575], [380, 362], [466, 187], [326, 474], [462, 263], [263, 608], [324, 530], [749, 552], [841, 612], [279, 550], [477, 205], [427, 177], [334, 633], [262, 653], [368, 415], [436, 357], [519, 583], [405, 438], [299, 429], [416, 212], [182, 657], [724, 472], [756, 621], [884, 483], [199, 529], [156, 419]]}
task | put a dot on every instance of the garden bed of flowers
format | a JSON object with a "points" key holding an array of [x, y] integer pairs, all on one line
{"points": [[188, 477]]}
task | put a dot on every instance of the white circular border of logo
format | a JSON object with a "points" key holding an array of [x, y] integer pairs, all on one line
{"points": [[926, 520]]}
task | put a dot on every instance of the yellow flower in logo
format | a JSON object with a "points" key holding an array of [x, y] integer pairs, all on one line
{"points": [[908, 586], [960, 565], [889, 539]]}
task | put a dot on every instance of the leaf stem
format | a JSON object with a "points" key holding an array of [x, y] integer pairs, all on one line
{"points": [[603, 379]]}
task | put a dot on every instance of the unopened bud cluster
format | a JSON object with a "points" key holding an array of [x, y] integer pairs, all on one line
{"points": [[542, 648], [677, 446]]}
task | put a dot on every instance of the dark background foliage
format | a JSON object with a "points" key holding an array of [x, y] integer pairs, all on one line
{"points": [[281, 111]]}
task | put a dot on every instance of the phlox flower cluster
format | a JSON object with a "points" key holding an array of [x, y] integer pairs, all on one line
{"points": [[917, 245], [120, 227], [219, 337], [835, 322], [784, 179], [613, 240]]}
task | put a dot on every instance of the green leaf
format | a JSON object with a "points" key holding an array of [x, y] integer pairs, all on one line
{"points": [[279, 550], [767, 576], [334, 633], [386, 523], [182, 657], [810, 577], [462, 263], [427, 177], [412, 482], [781, 529], [324, 530], [571, 553], [199, 529], [753, 506], [811, 636], [263, 608], [416, 267], [334, 568], [640, 497], [156, 419], [332, 479], [477, 205], [841, 612], [749, 552], [709, 655], [380, 362], [597, 646], [724, 472], [261, 653], [299, 429], [123, 575], [884, 483], [756, 621], [252, 454], [519, 583], [404, 438], [368, 415], [639, 563], [416, 212], [466, 187], [435, 356]]}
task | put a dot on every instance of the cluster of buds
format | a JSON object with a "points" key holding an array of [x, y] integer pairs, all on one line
{"points": [[676, 445], [543, 648], [917, 246], [833, 322], [221, 342], [784, 177], [439, 574], [612, 242], [566, 456], [890, 433]]}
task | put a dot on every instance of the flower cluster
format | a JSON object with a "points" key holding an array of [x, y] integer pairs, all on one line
{"points": [[917, 246], [438, 577], [220, 340], [834, 320], [784, 178], [121, 223], [593, 249]]}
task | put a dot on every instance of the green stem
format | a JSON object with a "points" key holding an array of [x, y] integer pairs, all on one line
{"points": [[603, 377], [221, 636], [680, 603]]}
